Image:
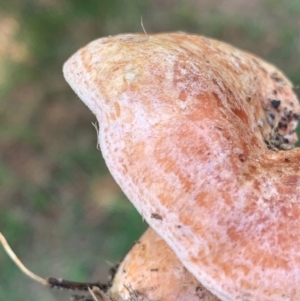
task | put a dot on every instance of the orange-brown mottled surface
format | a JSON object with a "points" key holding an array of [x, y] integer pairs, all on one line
{"points": [[192, 130], [152, 271]]}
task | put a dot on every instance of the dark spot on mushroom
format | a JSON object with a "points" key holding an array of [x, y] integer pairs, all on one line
{"points": [[242, 158], [275, 103], [287, 159], [291, 104], [154, 270], [285, 140], [296, 116], [275, 92], [200, 292], [248, 98], [288, 114], [124, 271], [179, 226], [282, 125], [156, 216], [219, 128]]}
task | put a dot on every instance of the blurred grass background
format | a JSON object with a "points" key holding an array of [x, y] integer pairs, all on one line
{"points": [[59, 208]]}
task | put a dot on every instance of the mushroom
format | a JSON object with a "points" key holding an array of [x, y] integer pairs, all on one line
{"points": [[151, 271], [200, 135]]}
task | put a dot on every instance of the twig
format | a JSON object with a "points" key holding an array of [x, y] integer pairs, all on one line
{"points": [[98, 295], [75, 286], [52, 282], [18, 262], [97, 131]]}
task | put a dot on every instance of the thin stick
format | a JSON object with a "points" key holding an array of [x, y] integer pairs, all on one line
{"points": [[98, 295], [52, 282], [93, 295], [97, 131], [18, 263]]}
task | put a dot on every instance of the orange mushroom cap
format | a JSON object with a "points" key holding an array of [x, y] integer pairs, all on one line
{"points": [[151, 271], [188, 128]]}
